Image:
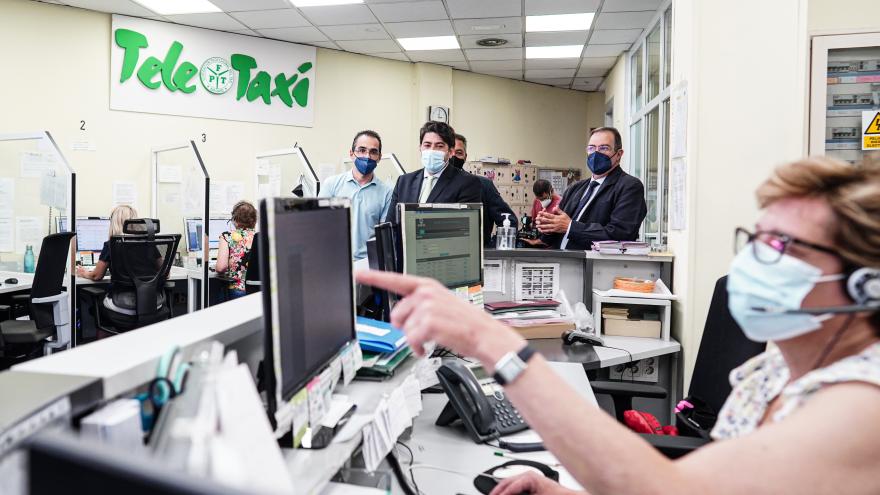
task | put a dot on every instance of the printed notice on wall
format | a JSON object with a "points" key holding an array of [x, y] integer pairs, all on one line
{"points": [[7, 235], [678, 121], [28, 232], [7, 197], [678, 195], [124, 193], [36, 163], [170, 174]]}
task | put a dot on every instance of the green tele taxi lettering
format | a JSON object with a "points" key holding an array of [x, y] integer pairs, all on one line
{"points": [[251, 84]]}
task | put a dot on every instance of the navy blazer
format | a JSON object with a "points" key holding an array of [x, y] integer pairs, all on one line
{"points": [[453, 186], [494, 208], [616, 212]]}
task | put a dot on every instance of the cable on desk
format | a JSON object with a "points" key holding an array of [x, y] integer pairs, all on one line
{"points": [[398, 473], [627, 366], [412, 460]]}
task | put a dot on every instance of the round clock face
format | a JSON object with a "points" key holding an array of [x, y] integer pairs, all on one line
{"points": [[216, 75], [439, 114]]}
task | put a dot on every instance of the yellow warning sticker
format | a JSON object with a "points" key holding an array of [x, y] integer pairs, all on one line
{"points": [[871, 130]]}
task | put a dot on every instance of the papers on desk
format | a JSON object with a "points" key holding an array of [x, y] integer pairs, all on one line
{"points": [[660, 292], [391, 418], [622, 247]]}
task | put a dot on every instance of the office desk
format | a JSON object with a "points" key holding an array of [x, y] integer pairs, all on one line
{"points": [[25, 281], [176, 273], [617, 350]]}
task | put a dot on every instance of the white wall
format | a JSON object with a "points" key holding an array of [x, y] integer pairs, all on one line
{"points": [[843, 17], [615, 89], [58, 71]]}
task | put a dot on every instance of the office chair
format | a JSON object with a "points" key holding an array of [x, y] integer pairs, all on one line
{"points": [[252, 274], [49, 325], [723, 347], [139, 293]]}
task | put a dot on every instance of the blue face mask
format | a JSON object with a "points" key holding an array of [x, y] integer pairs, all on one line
{"points": [[599, 163], [433, 161], [760, 294], [365, 165]]}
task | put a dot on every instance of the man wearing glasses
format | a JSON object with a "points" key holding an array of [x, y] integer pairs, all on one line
{"points": [[369, 196], [608, 206], [436, 181]]}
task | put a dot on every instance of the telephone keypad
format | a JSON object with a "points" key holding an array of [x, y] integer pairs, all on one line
{"points": [[507, 418]]}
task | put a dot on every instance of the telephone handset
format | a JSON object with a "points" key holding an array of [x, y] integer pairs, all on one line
{"points": [[477, 400]]}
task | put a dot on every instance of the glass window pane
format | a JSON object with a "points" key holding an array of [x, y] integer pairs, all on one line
{"points": [[652, 154], [654, 47], [667, 52], [665, 159], [636, 80], [853, 88], [635, 150]]}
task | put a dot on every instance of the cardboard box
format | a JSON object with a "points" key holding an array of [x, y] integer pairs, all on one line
{"points": [[544, 330], [631, 328]]}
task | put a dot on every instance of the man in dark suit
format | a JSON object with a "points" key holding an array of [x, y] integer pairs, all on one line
{"points": [[494, 206], [436, 181], [608, 206]]}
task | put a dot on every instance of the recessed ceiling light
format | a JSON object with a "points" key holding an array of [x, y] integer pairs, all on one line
{"points": [[491, 42], [559, 22], [322, 3], [428, 43], [565, 51], [173, 7]]}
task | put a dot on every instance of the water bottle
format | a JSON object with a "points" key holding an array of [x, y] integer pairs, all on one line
{"points": [[505, 236], [29, 264]]}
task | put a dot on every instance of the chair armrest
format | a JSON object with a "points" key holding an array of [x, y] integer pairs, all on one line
{"points": [[674, 447], [21, 298], [49, 299], [93, 292], [628, 389]]}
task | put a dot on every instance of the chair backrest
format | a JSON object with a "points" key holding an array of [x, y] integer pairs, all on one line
{"points": [[723, 347], [141, 261], [49, 275], [252, 275]]}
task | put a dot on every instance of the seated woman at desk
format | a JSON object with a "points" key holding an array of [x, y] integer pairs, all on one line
{"points": [[235, 246], [802, 416], [117, 219]]}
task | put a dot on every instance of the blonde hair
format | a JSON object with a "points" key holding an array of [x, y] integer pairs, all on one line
{"points": [[118, 217], [852, 192]]}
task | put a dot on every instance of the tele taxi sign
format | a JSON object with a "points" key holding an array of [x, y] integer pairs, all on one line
{"points": [[159, 67], [871, 130]]}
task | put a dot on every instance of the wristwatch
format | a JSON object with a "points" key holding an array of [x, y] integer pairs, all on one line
{"points": [[512, 364]]}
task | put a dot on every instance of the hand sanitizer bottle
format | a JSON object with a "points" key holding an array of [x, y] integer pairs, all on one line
{"points": [[505, 236]]}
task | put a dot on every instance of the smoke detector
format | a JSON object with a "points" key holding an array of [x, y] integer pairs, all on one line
{"points": [[492, 42]]}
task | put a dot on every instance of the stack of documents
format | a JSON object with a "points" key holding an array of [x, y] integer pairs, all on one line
{"points": [[532, 319], [502, 307], [384, 348], [622, 247], [631, 321]]}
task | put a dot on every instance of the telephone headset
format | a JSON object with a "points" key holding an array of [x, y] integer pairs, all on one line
{"points": [[862, 286]]}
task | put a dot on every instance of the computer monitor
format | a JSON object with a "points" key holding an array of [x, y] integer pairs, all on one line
{"points": [[58, 464], [217, 226], [444, 242], [192, 227], [308, 291], [91, 233]]}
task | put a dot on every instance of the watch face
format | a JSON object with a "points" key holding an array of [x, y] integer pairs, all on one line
{"points": [[216, 75], [439, 114]]}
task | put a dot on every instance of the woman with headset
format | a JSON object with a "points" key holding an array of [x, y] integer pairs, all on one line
{"points": [[802, 416]]}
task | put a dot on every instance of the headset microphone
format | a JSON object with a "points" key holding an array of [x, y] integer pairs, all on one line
{"points": [[855, 308]]}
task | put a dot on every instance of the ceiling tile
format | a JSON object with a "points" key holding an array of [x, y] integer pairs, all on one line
{"points": [[410, 11], [470, 41], [239, 5], [112, 6], [623, 20], [454, 65], [356, 32], [494, 53], [630, 5], [325, 44], [598, 62], [544, 7], [512, 74], [369, 46], [592, 72], [280, 18], [495, 65], [245, 31], [552, 63], [215, 20], [548, 73], [373, 2], [297, 35], [553, 81], [614, 36], [338, 14], [436, 56], [495, 25], [605, 50], [557, 39], [392, 55], [473, 9], [419, 29], [588, 84]]}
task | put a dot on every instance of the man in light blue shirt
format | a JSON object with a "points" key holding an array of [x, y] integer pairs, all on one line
{"points": [[369, 196]]}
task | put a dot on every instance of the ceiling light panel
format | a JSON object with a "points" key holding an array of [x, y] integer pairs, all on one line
{"points": [[564, 51], [174, 7], [429, 43], [559, 22], [323, 3]]}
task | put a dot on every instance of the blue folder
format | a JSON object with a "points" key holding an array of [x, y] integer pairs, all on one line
{"points": [[368, 333]]}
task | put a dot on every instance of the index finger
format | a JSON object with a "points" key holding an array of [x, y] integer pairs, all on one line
{"points": [[403, 285]]}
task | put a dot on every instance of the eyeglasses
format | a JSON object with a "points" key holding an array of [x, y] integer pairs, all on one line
{"points": [[604, 148], [778, 242], [374, 153]]}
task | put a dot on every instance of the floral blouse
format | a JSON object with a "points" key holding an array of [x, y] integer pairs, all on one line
{"points": [[237, 240], [764, 377]]}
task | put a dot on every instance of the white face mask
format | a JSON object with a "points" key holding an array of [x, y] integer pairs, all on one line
{"points": [[545, 202]]}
